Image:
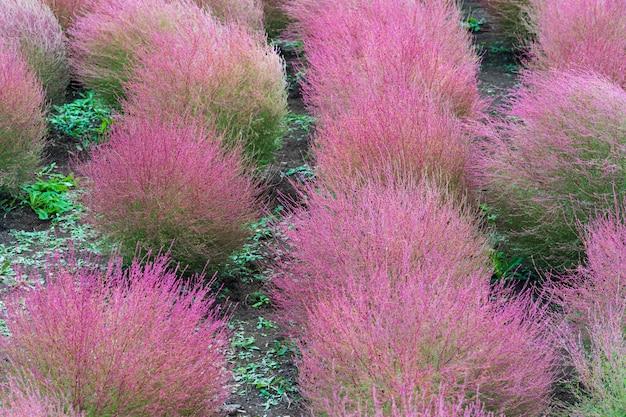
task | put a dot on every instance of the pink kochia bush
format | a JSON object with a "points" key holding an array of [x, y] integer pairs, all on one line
{"points": [[30, 26], [394, 126], [156, 184], [125, 343], [21, 398], [556, 161], [105, 39], [387, 289], [594, 300], [221, 73], [22, 120], [580, 34], [357, 44]]}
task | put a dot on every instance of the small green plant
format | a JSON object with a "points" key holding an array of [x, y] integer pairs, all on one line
{"points": [[85, 119], [297, 121], [259, 299], [244, 263], [303, 173], [48, 196], [472, 24], [260, 368]]}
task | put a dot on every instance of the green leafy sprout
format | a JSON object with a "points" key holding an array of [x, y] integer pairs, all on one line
{"points": [[49, 195], [86, 120]]}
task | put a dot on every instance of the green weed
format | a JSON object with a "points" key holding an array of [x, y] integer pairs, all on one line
{"points": [[86, 120], [48, 196]]}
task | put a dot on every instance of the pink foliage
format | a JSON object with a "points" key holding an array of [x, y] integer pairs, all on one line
{"points": [[442, 405], [155, 183], [580, 35], [125, 343], [355, 45], [405, 128], [224, 74], [348, 232], [594, 302], [556, 161], [104, 40], [388, 289], [22, 120], [21, 398], [30, 26]]}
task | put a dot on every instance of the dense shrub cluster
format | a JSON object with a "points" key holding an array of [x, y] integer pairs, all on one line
{"points": [[224, 74], [580, 35], [30, 27], [105, 40], [156, 184], [22, 121], [431, 51], [379, 105], [124, 343], [388, 288], [593, 300], [406, 128], [556, 160]]}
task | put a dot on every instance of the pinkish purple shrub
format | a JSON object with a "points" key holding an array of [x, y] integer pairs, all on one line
{"points": [[156, 184], [223, 74], [580, 35], [30, 26], [22, 120], [352, 45], [105, 40], [411, 331], [593, 300], [124, 343], [404, 128], [21, 398], [440, 406], [557, 160], [349, 231], [387, 287]]}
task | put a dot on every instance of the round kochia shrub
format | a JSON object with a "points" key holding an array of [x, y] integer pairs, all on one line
{"points": [[431, 51], [104, 40], [394, 125], [580, 35], [557, 160], [22, 120], [389, 290], [594, 302], [156, 184], [137, 343], [30, 26], [222, 73]]}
